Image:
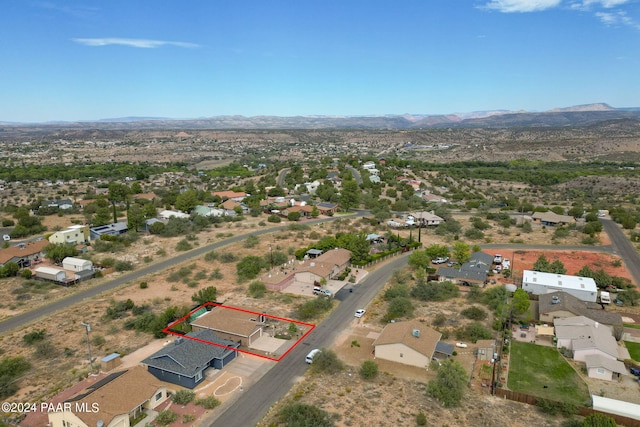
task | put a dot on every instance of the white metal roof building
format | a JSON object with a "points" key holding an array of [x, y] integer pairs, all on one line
{"points": [[76, 264], [617, 407], [538, 283]]}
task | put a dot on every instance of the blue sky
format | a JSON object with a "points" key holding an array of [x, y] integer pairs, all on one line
{"points": [[83, 60]]}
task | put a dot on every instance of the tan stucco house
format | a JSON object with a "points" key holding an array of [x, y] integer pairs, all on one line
{"points": [[411, 343]]}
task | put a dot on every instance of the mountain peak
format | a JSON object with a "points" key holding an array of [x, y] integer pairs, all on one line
{"points": [[599, 106]]}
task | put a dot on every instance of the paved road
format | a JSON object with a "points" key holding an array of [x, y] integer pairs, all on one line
{"points": [[622, 246], [63, 303], [257, 399]]}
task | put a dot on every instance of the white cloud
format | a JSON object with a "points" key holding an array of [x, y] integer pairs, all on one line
{"points": [[139, 43], [617, 18], [607, 4], [511, 6]]}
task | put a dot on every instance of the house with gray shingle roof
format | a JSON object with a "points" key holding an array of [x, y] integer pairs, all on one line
{"points": [[473, 272], [186, 359], [559, 305]]}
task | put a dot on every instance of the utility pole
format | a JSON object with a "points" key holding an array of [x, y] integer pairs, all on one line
{"points": [[88, 328]]}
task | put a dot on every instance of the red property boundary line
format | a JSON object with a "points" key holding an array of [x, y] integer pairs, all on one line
{"points": [[168, 330]]}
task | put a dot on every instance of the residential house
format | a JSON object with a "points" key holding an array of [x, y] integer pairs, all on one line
{"points": [[325, 266], [375, 179], [539, 283], [236, 196], [369, 165], [426, 218], [185, 361], [604, 368], [114, 229], [473, 272], [166, 214], [73, 235], [411, 343], [434, 198], [560, 305], [304, 210], [233, 324], [23, 254], [552, 219], [62, 204], [582, 337], [208, 211], [327, 208], [115, 400]]}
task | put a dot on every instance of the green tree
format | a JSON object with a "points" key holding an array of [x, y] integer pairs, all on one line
{"points": [[419, 259], [399, 307], [249, 267], [557, 267], [56, 252], [521, 301], [350, 194], [293, 216], [186, 201], [117, 194], [369, 370], [135, 217], [630, 296], [205, 295], [461, 251], [450, 383], [257, 289], [542, 264], [437, 251]]}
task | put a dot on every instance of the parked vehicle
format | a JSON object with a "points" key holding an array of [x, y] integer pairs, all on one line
{"points": [[313, 353], [497, 259], [6, 237], [635, 371], [440, 260], [461, 345], [605, 298], [360, 312], [618, 302]]}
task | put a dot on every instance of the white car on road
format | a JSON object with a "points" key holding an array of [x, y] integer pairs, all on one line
{"points": [[360, 312]]}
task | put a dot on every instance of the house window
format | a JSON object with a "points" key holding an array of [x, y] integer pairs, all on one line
{"points": [[400, 354], [601, 371], [198, 376], [158, 396]]}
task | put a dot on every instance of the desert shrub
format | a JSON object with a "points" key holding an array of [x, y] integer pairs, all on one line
{"points": [[398, 307], [315, 307], [435, 291], [144, 285], [257, 289], [251, 241], [249, 267], [474, 313], [228, 257], [166, 416], [211, 256], [182, 397], [34, 337], [473, 332], [300, 414], [123, 266], [327, 362], [208, 402], [421, 419], [368, 369], [183, 245], [396, 290]]}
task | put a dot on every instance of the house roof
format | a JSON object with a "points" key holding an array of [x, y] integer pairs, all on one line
{"points": [[473, 275], [229, 204], [563, 281], [17, 252], [117, 394], [234, 320], [76, 261], [116, 227], [323, 265], [426, 216], [553, 217], [568, 302], [585, 333], [444, 348], [229, 194], [402, 333], [186, 357], [598, 361]]}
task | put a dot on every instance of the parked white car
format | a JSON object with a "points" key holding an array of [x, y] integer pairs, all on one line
{"points": [[360, 312], [6, 237], [461, 345]]}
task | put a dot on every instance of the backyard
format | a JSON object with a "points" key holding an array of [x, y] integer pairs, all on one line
{"points": [[542, 372], [634, 350]]}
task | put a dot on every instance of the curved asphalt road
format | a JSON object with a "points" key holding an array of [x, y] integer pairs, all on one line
{"points": [[251, 406]]}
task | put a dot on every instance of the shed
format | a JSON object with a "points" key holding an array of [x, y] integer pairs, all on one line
{"points": [[111, 361], [617, 407], [77, 264], [51, 273]]}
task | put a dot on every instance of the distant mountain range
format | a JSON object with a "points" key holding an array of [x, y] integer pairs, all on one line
{"points": [[579, 115]]}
